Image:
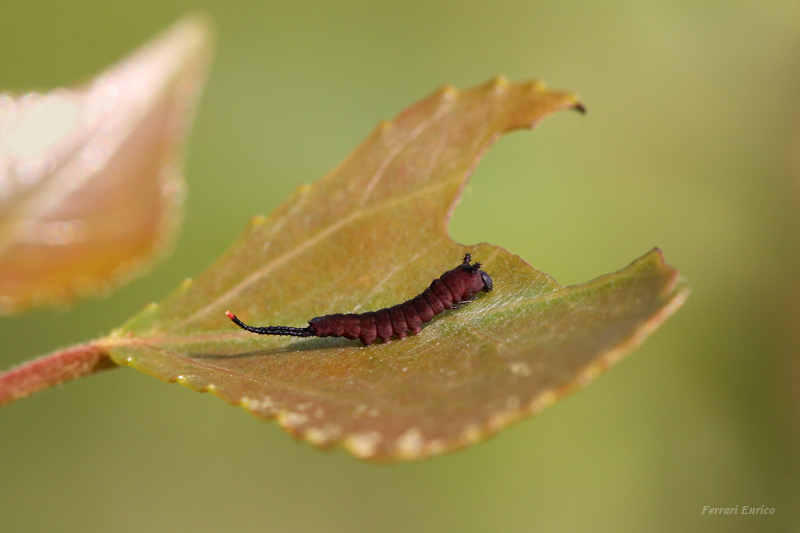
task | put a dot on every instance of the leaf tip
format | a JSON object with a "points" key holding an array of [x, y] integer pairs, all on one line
{"points": [[383, 127], [499, 83], [260, 220], [657, 256], [447, 92]]}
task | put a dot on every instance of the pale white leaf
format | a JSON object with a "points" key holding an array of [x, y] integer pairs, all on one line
{"points": [[91, 179]]}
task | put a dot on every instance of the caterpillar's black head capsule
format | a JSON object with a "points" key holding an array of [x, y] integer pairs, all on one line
{"points": [[487, 281]]}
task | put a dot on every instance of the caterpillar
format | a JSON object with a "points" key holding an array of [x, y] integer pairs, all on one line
{"points": [[447, 292]]}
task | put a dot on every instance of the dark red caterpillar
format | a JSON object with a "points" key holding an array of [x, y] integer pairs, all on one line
{"points": [[451, 289]]}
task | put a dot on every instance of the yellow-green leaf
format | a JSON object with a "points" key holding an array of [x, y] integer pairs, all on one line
{"points": [[372, 234]]}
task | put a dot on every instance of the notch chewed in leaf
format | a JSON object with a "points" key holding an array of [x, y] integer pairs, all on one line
{"points": [[370, 235]]}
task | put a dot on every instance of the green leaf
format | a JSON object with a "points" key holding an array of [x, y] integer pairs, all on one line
{"points": [[372, 234]]}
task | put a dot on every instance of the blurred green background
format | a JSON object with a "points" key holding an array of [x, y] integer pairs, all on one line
{"points": [[691, 143]]}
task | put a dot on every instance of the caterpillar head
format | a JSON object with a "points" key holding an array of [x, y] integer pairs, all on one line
{"points": [[480, 280], [487, 281]]}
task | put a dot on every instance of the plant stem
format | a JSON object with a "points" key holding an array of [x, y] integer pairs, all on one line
{"points": [[53, 369]]}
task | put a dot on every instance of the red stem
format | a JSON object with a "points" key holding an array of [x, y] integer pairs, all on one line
{"points": [[53, 369]]}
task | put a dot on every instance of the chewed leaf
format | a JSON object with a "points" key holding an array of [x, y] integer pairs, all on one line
{"points": [[90, 179], [373, 234]]}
